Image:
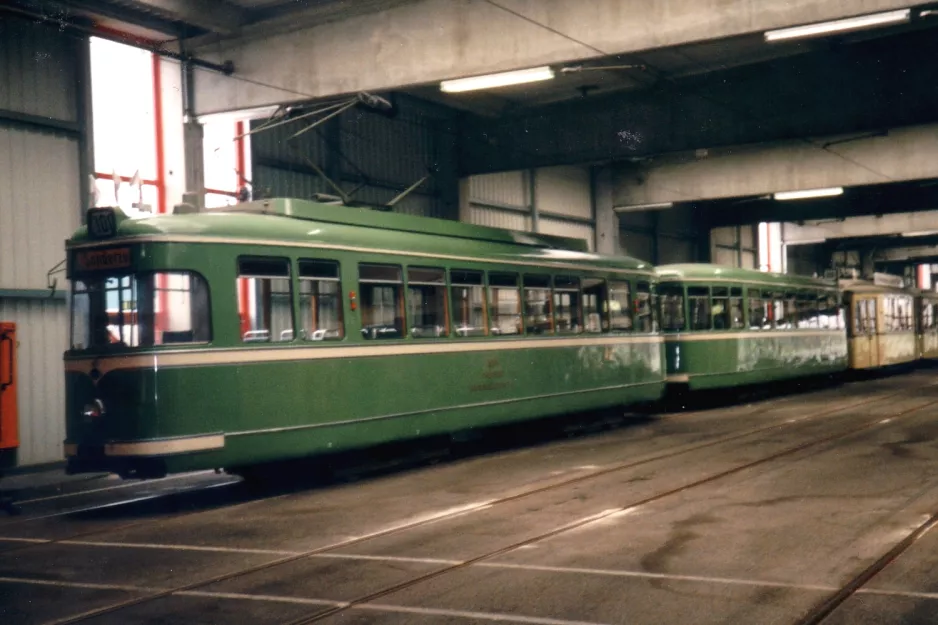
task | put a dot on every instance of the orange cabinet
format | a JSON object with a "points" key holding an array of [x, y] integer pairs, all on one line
{"points": [[9, 433]]}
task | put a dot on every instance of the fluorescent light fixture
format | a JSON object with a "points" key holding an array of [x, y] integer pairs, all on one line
{"points": [[836, 26], [643, 207], [920, 233], [491, 81], [808, 193]]}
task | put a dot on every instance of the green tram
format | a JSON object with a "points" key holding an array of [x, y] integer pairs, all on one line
{"points": [[284, 328], [727, 327]]}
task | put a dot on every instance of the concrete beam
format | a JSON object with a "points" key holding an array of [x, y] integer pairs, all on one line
{"points": [[426, 41], [751, 170], [894, 224], [850, 88], [903, 254], [214, 15]]}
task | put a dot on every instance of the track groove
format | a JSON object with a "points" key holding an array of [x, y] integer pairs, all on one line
{"points": [[511, 498]]}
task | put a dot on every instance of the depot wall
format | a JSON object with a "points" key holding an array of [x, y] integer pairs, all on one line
{"points": [[43, 167]]}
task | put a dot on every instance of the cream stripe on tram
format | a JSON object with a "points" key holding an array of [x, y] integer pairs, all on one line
{"points": [[194, 357]]}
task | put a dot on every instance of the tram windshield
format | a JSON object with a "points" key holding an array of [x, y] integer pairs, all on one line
{"points": [[139, 310]]}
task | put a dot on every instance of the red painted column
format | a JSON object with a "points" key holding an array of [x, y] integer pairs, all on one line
{"points": [[243, 292], [162, 316]]}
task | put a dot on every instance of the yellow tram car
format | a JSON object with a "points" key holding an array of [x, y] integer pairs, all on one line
{"points": [[926, 318], [881, 325]]}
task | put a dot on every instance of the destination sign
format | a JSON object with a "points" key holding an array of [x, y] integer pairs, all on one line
{"points": [[98, 260]]}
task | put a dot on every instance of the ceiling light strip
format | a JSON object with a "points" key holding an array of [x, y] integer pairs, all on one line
{"points": [[860, 22], [808, 193], [492, 81]]}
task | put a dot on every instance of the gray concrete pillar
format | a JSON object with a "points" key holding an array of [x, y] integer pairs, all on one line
{"points": [[195, 163], [607, 222]]}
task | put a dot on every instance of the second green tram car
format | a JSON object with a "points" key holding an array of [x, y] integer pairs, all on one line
{"points": [[726, 327], [284, 328]]}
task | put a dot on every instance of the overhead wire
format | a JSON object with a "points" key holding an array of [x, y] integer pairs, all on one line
{"points": [[662, 75]]}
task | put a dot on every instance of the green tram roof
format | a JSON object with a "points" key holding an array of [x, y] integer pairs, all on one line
{"points": [[705, 272], [292, 222]]}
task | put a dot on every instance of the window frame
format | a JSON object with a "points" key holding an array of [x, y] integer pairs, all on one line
{"points": [[444, 285], [601, 286], [575, 286], [340, 299], [645, 287], [699, 296], [400, 305], [669, 290], [493, 302], [289, 277], [545, 284], [453, 284], [625, 311]]}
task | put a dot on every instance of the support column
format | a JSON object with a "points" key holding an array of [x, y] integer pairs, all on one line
{"points": [[173, 174], [85, 123], [532, 200], [464, 207], [607, 222], [193, 148]]}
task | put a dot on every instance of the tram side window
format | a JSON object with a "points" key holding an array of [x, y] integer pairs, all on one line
{"points": [[830, 314], [889, 313], [320, 300], [897, 313], [269, 306], [807, 310], [620, 312], [142, 310], [595, 307], [736, 308], [382, 301], [698, 301], [784, 310], [864, 316], [567, 308], [720, 307], [505, 304], [926, 316], [646, 314], [758, 317], [905, 313], [468, 295], [671, 297], [426, 302], [538, 317]]}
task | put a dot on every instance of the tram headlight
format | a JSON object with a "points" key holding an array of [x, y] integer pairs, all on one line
{"points": [[93, 410]]}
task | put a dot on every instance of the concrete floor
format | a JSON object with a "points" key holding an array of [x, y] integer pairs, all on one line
{"points": [[753, 513]]}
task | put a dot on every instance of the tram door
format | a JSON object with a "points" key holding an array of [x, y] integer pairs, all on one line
{"points": [[866, 345]]}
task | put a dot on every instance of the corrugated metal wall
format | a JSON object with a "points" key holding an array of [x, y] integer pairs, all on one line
{"points": [[660, 236], [735, 246], [37, 70], [41, 143], [561, 205], [39, 204], [375, 155], [42, 329]]}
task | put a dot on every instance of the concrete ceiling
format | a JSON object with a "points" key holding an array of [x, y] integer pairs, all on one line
{"points": [[202, 20]]}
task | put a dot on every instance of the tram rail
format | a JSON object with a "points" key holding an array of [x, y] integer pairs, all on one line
{"points": [[866, 424]]}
